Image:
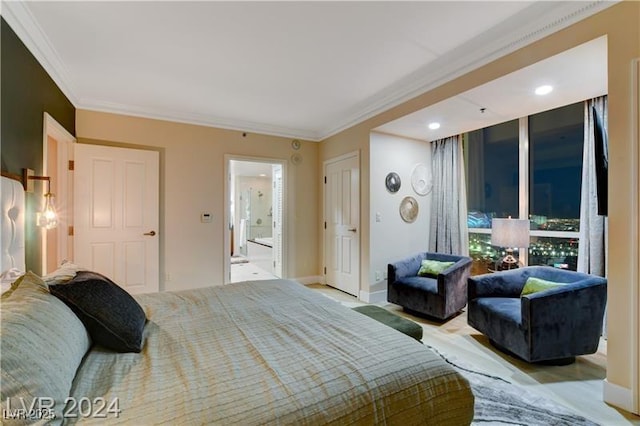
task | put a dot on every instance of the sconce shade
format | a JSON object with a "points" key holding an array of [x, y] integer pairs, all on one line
{"points": [[48, 217], [511, 233]]}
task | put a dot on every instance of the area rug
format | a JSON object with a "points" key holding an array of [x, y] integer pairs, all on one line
{"points": [[499, 402]]}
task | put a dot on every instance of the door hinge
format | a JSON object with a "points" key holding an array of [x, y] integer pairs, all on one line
{"points": [[325, 270], [70, 231], [325, 179], [325, 225], [72, 165], [274, 263]]}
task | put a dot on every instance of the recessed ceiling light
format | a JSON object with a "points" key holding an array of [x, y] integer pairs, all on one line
{"points": [[263, 175], [434, 126], [544, 90]]}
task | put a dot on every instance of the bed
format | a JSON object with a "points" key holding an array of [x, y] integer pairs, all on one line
{"points": [[264, 352]]}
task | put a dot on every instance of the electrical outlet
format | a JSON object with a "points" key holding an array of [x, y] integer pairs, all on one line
{"points": [[167, 277], [378, 276]]}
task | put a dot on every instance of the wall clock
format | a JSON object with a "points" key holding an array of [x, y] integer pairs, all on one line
{"points": [[392, 182]]}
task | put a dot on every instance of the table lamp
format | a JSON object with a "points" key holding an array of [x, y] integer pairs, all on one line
{"points": [[510, 234]]}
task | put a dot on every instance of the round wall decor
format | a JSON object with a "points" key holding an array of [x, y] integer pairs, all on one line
{"points": [[392, 182], [421, 179], [296, 159], [409, 209], [295, 144]]}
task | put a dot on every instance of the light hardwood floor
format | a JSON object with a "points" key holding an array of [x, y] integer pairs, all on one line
{"points": [[577, 386]]}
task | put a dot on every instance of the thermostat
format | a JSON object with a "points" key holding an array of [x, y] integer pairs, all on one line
{"points": [[206, 217]]}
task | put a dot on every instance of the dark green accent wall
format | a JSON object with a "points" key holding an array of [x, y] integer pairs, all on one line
{"points": [[26, 93]]}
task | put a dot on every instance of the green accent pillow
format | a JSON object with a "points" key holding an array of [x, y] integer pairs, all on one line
{"points": [[432, 267], [534, 285]]}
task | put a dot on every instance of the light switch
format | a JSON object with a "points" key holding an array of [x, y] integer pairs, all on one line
{"points": [[206, 217], [378, 217]]}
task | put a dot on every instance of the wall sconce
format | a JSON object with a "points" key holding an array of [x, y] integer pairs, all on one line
{"points": [[48, 217]]}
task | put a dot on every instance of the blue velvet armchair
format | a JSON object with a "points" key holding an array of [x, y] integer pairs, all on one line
{"points": [[553, 325], [439, 296]]}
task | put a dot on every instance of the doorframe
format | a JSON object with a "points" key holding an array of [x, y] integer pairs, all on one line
{"points": [[325, 163], [226, 222], [51, 128]]}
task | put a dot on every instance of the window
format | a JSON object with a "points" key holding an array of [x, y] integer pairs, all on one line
{"points": [[547, 149], [555, 165], [492, 173]]}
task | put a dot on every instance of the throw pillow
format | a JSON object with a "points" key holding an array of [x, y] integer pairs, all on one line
{"points": [[43, 344], [432, 267], [113, 318], [534, 285]]}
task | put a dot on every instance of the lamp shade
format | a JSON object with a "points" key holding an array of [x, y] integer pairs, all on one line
{"points": [[512, 233]]}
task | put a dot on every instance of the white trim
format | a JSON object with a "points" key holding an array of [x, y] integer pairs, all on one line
{"points": [[635, 249], [533, 23], [618, 396], [55, 130], [23, 23], [374, 297], [51, 128], [523, 178], [226, 262]]}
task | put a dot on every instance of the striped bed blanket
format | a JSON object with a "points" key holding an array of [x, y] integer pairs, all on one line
{"points": [[270, 352]]}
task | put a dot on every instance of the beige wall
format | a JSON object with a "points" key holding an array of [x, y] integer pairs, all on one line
{"points": [[192, 168], [621, 24]]}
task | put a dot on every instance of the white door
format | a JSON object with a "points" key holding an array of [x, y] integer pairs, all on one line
{"points": [[342, 221], [276, 206], [116, 209]]}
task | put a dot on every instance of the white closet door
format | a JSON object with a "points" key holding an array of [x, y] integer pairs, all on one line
{"points": [[116, 208]]}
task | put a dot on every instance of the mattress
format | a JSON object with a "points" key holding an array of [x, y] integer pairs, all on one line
{"points": [[268, 352]]}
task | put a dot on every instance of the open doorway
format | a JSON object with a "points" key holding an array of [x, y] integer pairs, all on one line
{"points": [[255, 208]]}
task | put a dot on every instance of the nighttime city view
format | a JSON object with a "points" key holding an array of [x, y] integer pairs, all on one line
{"points": [[555, 152], [556, 252], [555, 168]]}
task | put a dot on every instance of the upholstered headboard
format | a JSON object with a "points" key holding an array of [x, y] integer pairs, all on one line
{"points": [[12, 242]]}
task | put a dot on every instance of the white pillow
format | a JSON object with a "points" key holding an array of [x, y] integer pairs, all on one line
{"points": [[65, 273]]}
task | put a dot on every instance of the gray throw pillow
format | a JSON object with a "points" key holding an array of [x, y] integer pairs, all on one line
{"points": [[113, 318]]}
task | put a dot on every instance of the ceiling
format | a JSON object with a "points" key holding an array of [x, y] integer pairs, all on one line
{"points": [[575, 75], [295, 69]]}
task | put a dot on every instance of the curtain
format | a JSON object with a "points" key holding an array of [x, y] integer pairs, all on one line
{"points": [[475, 172], [592, 250], [448, 228]]}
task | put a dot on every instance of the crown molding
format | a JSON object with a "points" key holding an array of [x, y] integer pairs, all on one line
{"points": [[22, 22], [199, 120], [532, 24]]}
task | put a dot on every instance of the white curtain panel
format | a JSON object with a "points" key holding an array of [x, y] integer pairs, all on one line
{"points": [[448, 228], [592, 249]]}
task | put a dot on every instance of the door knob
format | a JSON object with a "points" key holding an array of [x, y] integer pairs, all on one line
{"points": [[352, 229], [151, 233]]}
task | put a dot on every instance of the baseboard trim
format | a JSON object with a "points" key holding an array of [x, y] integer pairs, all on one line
{"points": [[309, 280], [375, 297], [618, 396]]}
